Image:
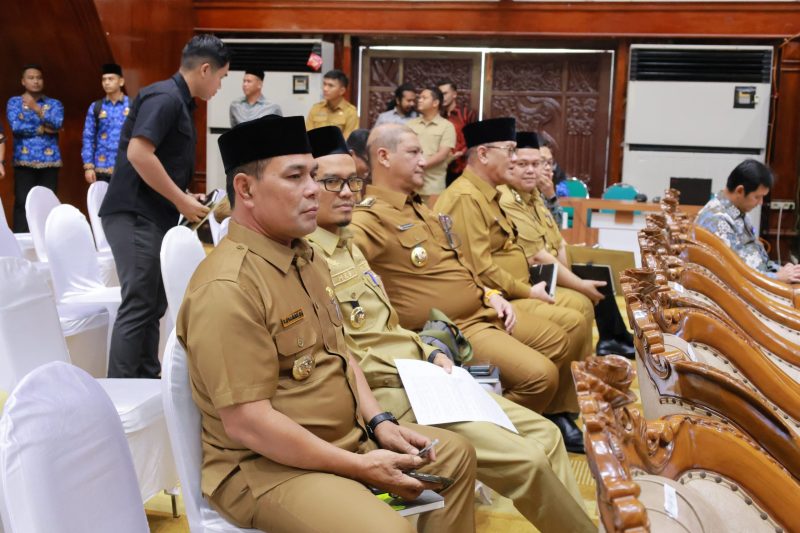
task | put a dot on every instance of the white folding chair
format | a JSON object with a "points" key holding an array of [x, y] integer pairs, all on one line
{"points": [[183, 423], [38, 204], [181, 252], [30, 336], [64, 462], [94, 199], [223, 228], [9, 247]]}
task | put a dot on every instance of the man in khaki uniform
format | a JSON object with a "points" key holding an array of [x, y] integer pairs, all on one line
{"points": [[489, 244], [438, 138], [283, 404], [531, 468], [541, 241], [419, 261], [333, 110]]}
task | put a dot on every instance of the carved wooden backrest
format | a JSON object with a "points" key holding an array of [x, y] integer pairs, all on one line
{"points": [[690, 360], [782, 319], [702, 236], [723, 477]]}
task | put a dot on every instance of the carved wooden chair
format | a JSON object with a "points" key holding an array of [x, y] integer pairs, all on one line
{"points": [[682, 472], [691, 360], [700, 283]]}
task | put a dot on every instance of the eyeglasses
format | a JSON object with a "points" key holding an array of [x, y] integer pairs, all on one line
{"points": [[447, 225], [547, 162], [510, 150], [337, 184]]}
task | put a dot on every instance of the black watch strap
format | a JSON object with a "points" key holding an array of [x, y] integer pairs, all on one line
{"points": [[377, 419]]}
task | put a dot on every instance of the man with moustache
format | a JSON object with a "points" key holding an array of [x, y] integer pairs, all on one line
{"points": [[35, 120], [531, 468], [405, 103], [489, 244], [291, 431], [417, 255]]}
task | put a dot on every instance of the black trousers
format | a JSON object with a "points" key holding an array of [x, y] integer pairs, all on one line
{"points": [[609, 322], [25, 179], [136, 243], [102, 176]]}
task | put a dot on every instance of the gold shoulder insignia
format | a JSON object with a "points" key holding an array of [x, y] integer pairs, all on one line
{"points": [[366, 202]]}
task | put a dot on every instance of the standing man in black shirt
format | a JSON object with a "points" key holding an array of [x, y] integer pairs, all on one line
{"points": [[148, 191]]}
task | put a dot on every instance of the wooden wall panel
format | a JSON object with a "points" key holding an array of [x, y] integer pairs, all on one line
{"points": [[612, 19], [65, 37]]}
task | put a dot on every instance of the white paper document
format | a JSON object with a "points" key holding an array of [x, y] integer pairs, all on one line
{"points": [[441, 398]]}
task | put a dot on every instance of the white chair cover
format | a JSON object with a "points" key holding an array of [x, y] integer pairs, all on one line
{"points": [[30, 332], [9, 247], [213, 225], [223, 228], [94, 199], [24, 240], [38, 204], [73, 263], [181, 252], [183, 422], [30, 336], [64, 462]]}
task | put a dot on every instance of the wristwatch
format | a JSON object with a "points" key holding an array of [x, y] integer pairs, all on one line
{"points": [[377, 419]]}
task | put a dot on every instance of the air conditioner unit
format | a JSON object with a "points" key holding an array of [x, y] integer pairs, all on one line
{"points": [[288, 81], [694, 112]]}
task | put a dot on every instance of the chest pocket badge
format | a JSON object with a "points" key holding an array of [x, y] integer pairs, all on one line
{"points": [[358, 317], [303, 366], [419, 256]]}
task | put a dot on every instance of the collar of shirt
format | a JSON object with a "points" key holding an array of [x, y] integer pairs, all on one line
{"points": [[393, 198], [730, 209], [437, 119], [122, 100], [262, 100], [527, 197], [339, 106], [483, 187], [279, 255], [330, 241], [183, 88]]}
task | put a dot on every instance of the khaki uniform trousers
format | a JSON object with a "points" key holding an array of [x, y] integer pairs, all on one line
{"points": [[529, 358], [531, 468], [574, 326], [319, 502]]}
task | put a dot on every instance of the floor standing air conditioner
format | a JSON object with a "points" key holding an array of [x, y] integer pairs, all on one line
{"points": [[695, 112], [289, 81]]}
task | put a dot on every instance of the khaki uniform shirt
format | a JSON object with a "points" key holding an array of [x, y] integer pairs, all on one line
{"points": [[344, 116], [406, 244], [252, 310], [536, 227], [432, 136], [489, 236], [376, 339]]}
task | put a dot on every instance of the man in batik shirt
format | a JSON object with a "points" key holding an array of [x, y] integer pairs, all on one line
{"points": [[725, 216]]}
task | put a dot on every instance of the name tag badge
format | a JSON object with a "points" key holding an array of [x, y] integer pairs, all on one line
{"points": [[293, 318]]}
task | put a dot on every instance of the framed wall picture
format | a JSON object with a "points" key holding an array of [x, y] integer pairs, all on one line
{"points": [[300, 84]]}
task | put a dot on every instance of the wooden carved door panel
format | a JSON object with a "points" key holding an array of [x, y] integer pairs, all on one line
{"points": [[565, 95], [385, 70]]}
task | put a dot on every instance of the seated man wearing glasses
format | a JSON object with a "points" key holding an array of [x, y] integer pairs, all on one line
{"points": [[490, 245], [532, 467]]}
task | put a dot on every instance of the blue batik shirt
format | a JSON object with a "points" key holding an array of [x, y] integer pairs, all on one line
{"points": [[33, 147], [101, 134], [723, 219]]}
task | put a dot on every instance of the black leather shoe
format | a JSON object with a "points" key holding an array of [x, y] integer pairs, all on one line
{"points": [[573, 437], [611, 346]]}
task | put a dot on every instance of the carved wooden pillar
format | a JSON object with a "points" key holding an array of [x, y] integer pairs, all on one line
{"points": [[786, 146], [619, 94]]}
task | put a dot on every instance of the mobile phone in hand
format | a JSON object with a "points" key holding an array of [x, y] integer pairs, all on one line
{"points": [[430, 478]]}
